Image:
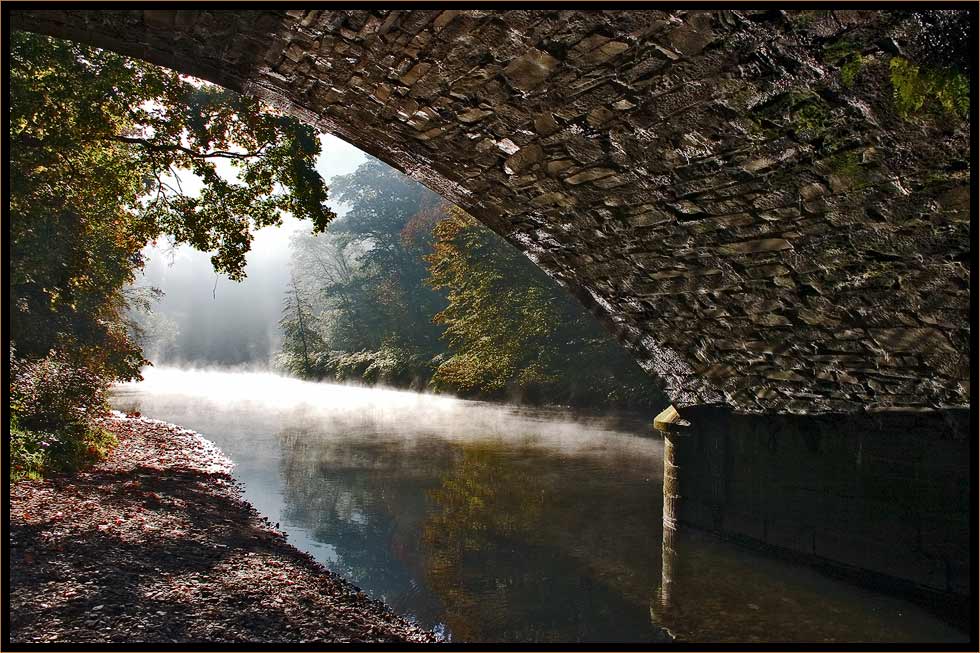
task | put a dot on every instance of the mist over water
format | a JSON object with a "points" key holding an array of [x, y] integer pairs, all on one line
{"points": [[491, 522], [400, 413], [210, 319]]}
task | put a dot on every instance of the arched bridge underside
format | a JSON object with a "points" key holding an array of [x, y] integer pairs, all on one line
{"points": [[739, 195]]}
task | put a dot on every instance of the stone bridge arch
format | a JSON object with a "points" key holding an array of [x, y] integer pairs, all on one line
{"points": [[737, 194]]}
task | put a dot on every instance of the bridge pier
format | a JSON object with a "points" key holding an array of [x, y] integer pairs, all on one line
{"points": [[882, 498]]}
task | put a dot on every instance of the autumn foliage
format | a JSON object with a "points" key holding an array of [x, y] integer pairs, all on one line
{"points": [[98, 146]]}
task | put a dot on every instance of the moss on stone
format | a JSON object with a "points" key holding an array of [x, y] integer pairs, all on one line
{"points": [[847, 163], [804, 19], [924, 90], [850, 70], [812, 118], [784, 104], [844, 48], [845, 53], [848, 167], [805, 112]]}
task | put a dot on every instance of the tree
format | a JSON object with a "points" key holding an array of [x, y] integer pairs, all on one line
{"points": [[367, 279], [513, 333], [154, 333], [97, 143], [329, 264], [300, 342], [499, 323], [380, 280], [392, 216], [97, 140]]}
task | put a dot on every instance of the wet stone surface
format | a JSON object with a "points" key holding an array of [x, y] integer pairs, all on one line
{"points": [[156, 545]]}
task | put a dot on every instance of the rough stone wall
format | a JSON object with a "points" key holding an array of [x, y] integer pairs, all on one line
{"points": [[734, 193]]}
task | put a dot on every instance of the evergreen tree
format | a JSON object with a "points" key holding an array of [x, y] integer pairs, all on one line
{"points": [[300, 343]]}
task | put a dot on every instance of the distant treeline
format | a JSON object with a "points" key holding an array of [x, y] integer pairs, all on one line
{"points": [[409, 291]]}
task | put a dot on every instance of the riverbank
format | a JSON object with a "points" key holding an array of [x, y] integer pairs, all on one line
{"points": [[155, 544]]}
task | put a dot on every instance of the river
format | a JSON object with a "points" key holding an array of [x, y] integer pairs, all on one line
{"points": [[489, 522]]}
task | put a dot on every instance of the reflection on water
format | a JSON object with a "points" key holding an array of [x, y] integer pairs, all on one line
{"points": [[495, 523]]}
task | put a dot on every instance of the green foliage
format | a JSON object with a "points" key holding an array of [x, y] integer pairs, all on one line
{"points": [[96, 143], [301, 339], [918, 89], [848, 166], [54, 407], [27, 453], [390, 364], [784, 104], [803, 111], [844, 48], [802, 19], [155, 333], [846, 54], [36, 454], [377, 285], [364, 283], [500, 331], [850, 70], [388, 230], [513, 333], [812, 118], [54, 393]]}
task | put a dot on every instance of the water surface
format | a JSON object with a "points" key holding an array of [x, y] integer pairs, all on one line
{"points": [[497, 523]]}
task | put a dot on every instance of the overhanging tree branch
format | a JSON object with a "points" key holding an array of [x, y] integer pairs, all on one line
{"points": [[172, 147]]}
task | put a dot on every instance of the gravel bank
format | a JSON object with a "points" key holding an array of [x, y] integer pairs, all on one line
{"points": [[156, 544]]}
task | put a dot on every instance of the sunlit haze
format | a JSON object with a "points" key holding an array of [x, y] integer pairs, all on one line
{"points": [[217, 305], [387, 410]]}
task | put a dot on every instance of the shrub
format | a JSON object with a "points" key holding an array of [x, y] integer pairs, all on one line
{"points": [[54, 393], [54, 407], [27, 452]]}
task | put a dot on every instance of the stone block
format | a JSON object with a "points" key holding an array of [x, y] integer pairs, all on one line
{"points": [[755, 246], [415, 73], [523, 159], [590, 174], [553, 199], [530, 70]]}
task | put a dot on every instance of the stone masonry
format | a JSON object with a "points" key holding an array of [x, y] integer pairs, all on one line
{"points": [[736, 193]]}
